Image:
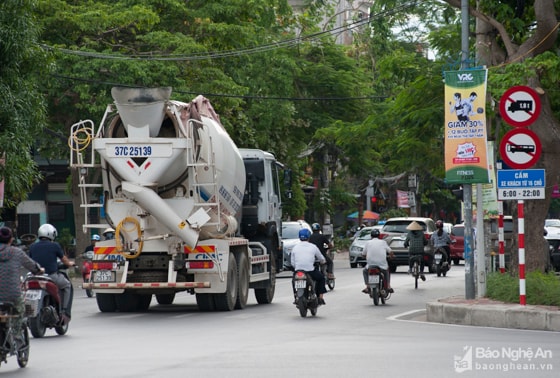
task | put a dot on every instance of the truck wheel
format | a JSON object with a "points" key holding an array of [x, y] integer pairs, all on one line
{"points": [[127, 302], [242, 280], [106, 302], [265, 295], [165, 299], [144, 301], [226, 301]]}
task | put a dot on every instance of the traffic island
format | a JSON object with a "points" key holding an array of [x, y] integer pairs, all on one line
{"points": [[485, 312]]}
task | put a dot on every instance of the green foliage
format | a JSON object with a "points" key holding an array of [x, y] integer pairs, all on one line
{"points": [[542, 289], [393, 213], [22, 111]]}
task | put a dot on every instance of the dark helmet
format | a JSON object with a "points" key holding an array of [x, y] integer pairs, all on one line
{"points": [[439, 224], [316, 227], [375, 233], [304, 234]]}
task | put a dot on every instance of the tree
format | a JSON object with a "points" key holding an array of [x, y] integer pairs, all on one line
{"points": [[22, 110], [518, 41]]}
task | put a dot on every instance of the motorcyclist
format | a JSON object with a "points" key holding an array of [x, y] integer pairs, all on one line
{"points": [[415, 242], [303, 257], [441, 239], [109, 233], [376, 251], [324, 244], [47, 252], [12, 259], [88, 253]]}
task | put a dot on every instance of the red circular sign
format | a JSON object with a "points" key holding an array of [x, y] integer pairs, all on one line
{"points": [[520, 148], [520, 106]]}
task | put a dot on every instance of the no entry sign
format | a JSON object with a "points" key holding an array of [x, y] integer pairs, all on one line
{"points": [[520, 148], [520, 106]]}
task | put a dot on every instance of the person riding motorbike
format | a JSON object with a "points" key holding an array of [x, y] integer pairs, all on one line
{"points": [[47, 252], [109, 233], [376, 251], [303, 257], [441, 239], [415, 242], [12, 259], [324, 244], [88, 253]]}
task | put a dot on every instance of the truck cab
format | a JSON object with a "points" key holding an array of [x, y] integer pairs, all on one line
{"points": [[261, 215]]}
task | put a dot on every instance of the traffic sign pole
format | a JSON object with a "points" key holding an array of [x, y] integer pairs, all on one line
{"points": [[521, 227], [520, 148]]}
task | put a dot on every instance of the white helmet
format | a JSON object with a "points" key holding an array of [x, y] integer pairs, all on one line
{"points": [[109, 233], [47, 231]]}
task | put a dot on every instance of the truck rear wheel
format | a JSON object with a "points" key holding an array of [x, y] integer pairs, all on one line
{"points": [[165, 299], [106, 302], [226, 301], [242, 280]]}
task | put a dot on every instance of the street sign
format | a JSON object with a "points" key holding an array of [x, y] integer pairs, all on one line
{"points": [[520, 106], [517, 184], [520, 148]]}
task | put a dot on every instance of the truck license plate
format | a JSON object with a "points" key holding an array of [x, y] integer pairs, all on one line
{"points": [[104, 276], [373, 279], [300, 284]]}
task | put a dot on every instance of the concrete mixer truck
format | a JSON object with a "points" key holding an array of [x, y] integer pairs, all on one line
{"points": [[191, 211]]}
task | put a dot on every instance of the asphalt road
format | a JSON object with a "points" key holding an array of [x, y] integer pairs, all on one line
{"points": [[348, 338]]}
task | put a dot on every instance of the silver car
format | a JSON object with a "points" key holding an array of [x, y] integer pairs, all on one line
{"points": [[357, 246], [290, 237]]}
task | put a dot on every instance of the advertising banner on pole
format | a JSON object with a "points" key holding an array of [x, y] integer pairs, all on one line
{"points": [[466, 158]]}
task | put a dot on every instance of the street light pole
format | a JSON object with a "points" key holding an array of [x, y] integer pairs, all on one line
{"points": [[467, 188]]}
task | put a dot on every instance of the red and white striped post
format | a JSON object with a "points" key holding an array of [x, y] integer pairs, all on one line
{"points": [[501, 247], [521, 226]]}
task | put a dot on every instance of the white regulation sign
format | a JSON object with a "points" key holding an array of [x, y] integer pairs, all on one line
{"points": [[521, 184]]}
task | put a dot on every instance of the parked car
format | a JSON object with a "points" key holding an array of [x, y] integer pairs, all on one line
{"points": [[552, 226], [457, 246], [394, 232], [357, 246], [290, 237]]}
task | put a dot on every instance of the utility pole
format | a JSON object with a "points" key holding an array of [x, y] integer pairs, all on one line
{"points": [[467, 188]]}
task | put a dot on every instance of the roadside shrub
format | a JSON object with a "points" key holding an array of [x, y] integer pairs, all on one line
{"points": [[542, 289]]}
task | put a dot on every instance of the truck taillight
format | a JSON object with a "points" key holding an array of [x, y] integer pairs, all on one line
{"points": [[382, 236], [102, 265], [200, 264]]}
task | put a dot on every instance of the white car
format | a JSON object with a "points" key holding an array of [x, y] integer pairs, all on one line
{"points": [[290, 237]]}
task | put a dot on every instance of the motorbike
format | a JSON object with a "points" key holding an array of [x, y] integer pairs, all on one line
{"points": [[441, 263], [86, 271], [329, 281], [304, 293], [377, 285], [12, 342], [43, 305]]}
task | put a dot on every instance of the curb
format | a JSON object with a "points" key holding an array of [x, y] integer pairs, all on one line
{"points": [[495, 314]]}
